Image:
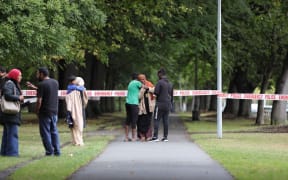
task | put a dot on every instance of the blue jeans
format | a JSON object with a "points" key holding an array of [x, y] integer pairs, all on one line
{"points": [[158, 115], [9, 146], [49, 134]]}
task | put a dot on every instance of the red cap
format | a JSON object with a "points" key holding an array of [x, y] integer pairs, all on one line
{"points": [[14, 74]]}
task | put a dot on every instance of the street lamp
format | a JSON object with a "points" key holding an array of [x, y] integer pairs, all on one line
{"points": [[219, 72]]}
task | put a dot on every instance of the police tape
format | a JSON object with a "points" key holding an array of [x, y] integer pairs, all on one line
{"points": [[123, 93], [279, 97]]}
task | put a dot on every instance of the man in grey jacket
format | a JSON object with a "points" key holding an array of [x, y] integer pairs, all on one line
{"points": [[164, 99]]}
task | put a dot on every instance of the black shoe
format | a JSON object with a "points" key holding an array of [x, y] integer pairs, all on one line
{"points": [[164, 139], [154, 139]]}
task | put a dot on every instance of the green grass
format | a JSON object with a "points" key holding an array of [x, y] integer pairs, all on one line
{"points": [[244, 151], [72, 158], [246, 155], [32, 164]]}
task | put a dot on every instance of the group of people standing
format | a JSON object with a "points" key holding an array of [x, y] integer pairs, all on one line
{"points": [[46, 110], [145, 102]]}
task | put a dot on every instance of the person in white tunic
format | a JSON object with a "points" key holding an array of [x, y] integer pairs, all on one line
{"points": [[76, 102]]}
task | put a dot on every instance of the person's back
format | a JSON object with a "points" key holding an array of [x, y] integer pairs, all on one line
{"points": [[132, 109], [164, 94], [133, 92], [48, 90], [164, 98]]}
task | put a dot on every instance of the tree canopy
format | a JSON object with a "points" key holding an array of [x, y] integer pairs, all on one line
{"points": [[143, 36]]}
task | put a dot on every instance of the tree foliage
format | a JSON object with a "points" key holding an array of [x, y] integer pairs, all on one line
{"points": [[37, 31], [142, 36]]}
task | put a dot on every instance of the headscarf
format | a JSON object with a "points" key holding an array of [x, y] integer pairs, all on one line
{"points": [[14, 74], [79, 81], [78, 84]]}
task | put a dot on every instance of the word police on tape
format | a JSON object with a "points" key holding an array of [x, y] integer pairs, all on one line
{"points": [[123, 93]]}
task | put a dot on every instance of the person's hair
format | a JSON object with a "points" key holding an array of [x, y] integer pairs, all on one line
{"points": [[44, 71], [2, 69], [134, 76], [162, 72], [71, 78]]}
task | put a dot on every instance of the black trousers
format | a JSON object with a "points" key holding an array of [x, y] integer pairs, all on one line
{"points": [[144, 122], [131, 115], [161, 114]]}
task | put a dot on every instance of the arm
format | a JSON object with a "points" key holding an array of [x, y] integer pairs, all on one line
{"points": [[151, 89], [141, 93], [9, 92], [38, 104], [30, 85], [172, 94], [39, 99], [85, 98], [157, 89]]}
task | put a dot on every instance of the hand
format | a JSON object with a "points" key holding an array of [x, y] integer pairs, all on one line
{"points": [[145, 87], [30, 85], [21, 98]]}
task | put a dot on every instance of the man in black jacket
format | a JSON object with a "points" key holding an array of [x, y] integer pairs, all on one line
{"points": [[164, 98]]}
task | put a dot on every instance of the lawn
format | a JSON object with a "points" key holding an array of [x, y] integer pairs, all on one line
{"points": [[32, 164], [246, 151]]}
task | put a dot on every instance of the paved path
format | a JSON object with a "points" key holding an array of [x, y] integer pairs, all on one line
{"points": [[178, 159]]}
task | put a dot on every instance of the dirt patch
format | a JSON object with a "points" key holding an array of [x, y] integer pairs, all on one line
{"points": [[275, 129]]}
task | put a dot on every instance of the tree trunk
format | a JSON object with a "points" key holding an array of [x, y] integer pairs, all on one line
{"points": [[260, 113], [266, 76], [232, 105], [260, 109], [279, 114], [213, 103], [196, 108], [204, 103], [196, 99], [240, 84], [95, 78], [64, 71], [110, 101], [244, 107]]}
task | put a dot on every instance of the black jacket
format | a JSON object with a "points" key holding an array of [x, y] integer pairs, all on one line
{"points": [[164, 94], [8, 91]]}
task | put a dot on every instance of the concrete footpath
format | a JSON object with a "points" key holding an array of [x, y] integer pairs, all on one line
{"points": [[178, 159]]}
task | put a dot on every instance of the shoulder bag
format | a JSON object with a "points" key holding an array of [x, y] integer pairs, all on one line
{"points": [[10, 107]]}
